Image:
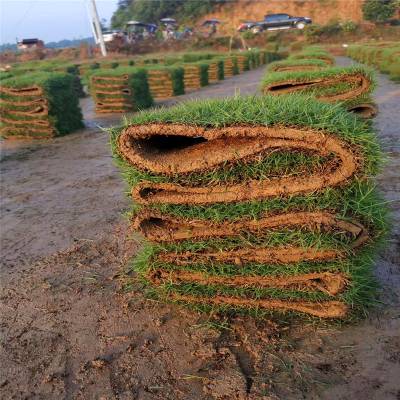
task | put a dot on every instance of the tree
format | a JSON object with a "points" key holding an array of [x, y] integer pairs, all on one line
{"points": [[379, 11]]}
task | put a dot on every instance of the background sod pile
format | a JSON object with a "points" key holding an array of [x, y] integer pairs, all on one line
{"points": [[384, 56], [120, 89], [330, 84], [39, 105], [355, 199]]}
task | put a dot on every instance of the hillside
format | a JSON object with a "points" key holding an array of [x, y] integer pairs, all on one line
{"points": [[232, 12]]}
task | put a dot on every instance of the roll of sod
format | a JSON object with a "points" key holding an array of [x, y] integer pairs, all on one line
{"points": [[243, 62], [165, 82], [313, 54], [297, 65], [350, 86], [215, 71], [230, 67], [195, 75], [39, 105], [260, 205], [120, 90]]}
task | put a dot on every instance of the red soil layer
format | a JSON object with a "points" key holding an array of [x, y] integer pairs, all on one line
{"points": [[263, 255], [326, 309], [326, 282], [220, 145], [161, 228]]}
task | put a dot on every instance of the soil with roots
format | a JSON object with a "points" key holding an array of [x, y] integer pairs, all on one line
{"points": [[73, 325]]}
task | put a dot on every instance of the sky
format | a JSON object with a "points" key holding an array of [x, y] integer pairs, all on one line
{"points": [[49, 20]]}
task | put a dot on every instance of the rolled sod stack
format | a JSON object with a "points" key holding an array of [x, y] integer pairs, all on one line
{"points": [[120, 90], [195, 75], [259, 204], [39, 105], [230, 67], [349, 86], [165, 82], [215, 71], [243, 62]]}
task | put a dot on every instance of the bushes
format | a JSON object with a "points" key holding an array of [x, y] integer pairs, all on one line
{"points": [[39, 105], [379, 11]]}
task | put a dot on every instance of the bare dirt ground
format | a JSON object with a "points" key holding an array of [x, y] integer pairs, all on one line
{"points": [[70, 329]]}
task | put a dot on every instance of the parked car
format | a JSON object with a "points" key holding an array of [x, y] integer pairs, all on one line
{"points": [[109, 36], [282, 21]]}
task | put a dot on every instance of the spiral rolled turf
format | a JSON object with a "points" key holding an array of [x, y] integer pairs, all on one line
{"points": [[349, 86], [258, 205]]}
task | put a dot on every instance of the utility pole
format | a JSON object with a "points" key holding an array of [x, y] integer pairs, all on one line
{"points": [[96, 27]]}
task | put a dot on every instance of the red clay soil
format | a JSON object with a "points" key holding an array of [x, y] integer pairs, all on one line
{"points": [[15, 132], [162, 228], [37, 122], [39, 102], [142, 146], [121, 78], [326, 309], [23, 91], [328, 59], [36, 110], [244, 255], [326, 282], [361, 82], [296, 68]]}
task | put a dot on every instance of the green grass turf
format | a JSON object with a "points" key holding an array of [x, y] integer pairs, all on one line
{"points": [[334, 72], [63, 102], [310, 54], [297, 62], [194, 57]]}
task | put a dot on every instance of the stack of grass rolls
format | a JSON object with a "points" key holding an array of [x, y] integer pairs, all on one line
{"points": [[349, 86], [254, 205], [120, 90], [195, 75], [165, 81], [384, 56], [230, 67], [39, 105], [243, 61], [215, 70]]}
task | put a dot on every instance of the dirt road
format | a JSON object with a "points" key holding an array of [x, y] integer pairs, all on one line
{"points": [[71, 329]]}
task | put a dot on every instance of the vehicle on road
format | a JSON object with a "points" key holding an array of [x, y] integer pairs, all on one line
{"points": [[283, 21], [273, 22]]}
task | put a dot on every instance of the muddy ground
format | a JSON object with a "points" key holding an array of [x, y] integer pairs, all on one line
{"points": [[70, 329]]}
